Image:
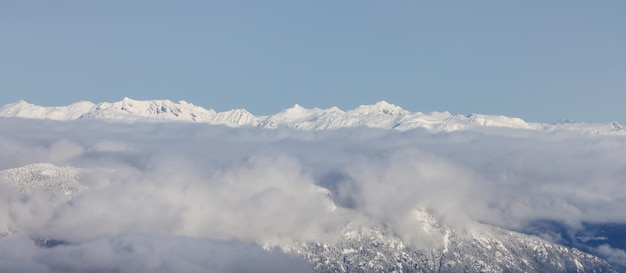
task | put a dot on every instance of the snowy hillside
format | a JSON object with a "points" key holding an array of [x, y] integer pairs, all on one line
{"points": [[43, 177], [380, 115], [480, 248]]}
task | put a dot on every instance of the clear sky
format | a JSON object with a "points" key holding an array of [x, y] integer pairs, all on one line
{"points": [[538, 60]]}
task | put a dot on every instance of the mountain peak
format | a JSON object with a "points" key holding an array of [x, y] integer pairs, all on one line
{"points": [[616, 125], [381, 107], [334, 109], [130, 102], [19, 103], [296, 112], [384, 103], [296, 108]]}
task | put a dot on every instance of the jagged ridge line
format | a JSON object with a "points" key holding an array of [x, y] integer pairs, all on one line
{"points": [[380, 115]]}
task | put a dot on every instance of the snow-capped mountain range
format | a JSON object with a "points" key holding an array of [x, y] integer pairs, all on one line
{"points": [[380, 115]]}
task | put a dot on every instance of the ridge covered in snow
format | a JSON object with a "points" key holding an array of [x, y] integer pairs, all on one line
{"points": [[380, 115], [43, 177], [481, 249]]}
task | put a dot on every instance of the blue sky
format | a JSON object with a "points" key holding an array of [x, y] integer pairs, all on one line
{"points": [[538, 60]]}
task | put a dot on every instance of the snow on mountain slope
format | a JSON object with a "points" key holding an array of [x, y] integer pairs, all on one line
{"points": [[129, 109], [154, 109], [489, 250], [22, 109], [43, 177], [235, 117], [169, 111], [381, 107], [302, 118], [380, 115], [479, 248]]}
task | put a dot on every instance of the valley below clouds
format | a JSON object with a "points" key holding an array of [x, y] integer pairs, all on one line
{"points": [[102, 196]]}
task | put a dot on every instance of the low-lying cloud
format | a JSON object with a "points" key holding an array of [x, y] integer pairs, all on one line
{"points": [[130, 253], [279, 187]]}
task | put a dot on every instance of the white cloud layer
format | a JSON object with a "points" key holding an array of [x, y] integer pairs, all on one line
{"points": [[167, 182], [136, 253]]}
